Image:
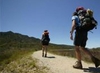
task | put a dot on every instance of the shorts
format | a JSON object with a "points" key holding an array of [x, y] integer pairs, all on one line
{"points": [[80, 39], [45, 43]]}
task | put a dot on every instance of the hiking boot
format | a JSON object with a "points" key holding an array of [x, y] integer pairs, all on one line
{"points": [[45, 55], [78, 65], [96, 61]]}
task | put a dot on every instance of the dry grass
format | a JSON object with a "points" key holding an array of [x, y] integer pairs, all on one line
{"points": [[19, 61], [71, 53], [25, 64]]}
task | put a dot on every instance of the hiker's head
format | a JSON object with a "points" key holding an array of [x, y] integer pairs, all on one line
{"points": [[46, 32]]}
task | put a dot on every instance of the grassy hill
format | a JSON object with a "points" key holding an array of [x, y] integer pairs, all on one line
{"points": [[15, 40], [15, 45]]}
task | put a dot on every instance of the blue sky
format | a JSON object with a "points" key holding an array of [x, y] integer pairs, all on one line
{"points": [[32, 17]]}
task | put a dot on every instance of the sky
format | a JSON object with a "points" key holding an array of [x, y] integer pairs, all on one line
{"points": [[32, 17]]}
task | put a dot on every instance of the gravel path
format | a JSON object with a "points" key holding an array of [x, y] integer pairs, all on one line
{"points": [[63, 64]]}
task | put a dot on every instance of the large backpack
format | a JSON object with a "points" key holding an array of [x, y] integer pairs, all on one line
{"points": [[87, 21], [45, 38]]}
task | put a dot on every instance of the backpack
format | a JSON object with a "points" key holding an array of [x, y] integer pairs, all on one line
{"points": [[88, 23], [87, 20], [45, 38]]}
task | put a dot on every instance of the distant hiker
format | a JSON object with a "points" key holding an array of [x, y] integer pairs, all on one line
{"points": [[45, 42], [80, 39]]}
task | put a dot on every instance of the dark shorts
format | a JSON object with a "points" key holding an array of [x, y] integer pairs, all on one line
{"points": [[80, 39], [45, 43]]}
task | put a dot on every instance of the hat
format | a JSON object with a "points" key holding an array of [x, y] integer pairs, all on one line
{"points": [[79, 8], [46, 32]]}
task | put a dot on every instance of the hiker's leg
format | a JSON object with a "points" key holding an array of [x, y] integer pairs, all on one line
{"points": [[43, 51], [78, 63], [78, 53], [85, 50], [94, 59]]}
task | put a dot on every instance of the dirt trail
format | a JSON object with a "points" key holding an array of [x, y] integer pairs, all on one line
{"points": [[63, 64]]}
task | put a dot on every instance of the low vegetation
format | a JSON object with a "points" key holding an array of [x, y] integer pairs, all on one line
{"points": [[71, 53], [16, 50], [14, 47]]}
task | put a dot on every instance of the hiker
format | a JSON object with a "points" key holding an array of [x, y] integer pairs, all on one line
{"points": [[80, 40], [45, 42]]}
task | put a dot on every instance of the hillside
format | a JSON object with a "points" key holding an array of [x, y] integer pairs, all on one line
{"points": [[16, 48], [15, 45], [10, 39]]}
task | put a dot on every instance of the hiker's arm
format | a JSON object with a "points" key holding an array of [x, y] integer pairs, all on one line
{"points": [[72, 29]]}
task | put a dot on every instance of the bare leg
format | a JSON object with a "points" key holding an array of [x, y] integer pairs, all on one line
{"points": [[46, 51], [94, 59], [78, 53], [78, 63], [86, 51], [42, 51]]}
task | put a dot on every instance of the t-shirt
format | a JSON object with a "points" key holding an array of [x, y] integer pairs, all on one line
{"points": [[76, 20]]}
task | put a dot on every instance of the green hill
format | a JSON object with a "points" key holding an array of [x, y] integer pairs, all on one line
{"points": [[15, 44], [11, 40], [16, 40]]}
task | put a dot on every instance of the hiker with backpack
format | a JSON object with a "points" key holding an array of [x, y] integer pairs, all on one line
{"points": [[45, 42], [81, 24]]}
